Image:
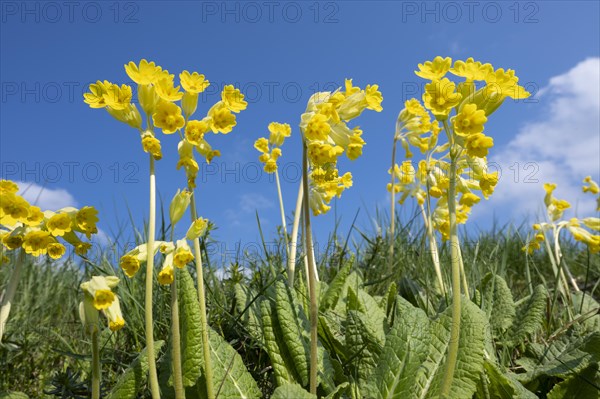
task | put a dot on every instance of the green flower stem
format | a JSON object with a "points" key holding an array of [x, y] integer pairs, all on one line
{"points": [[96, 370], [9, 293], [176, 336], [312, 283], [282, 211], [433, 248], [208, 372], [455, 258], [294, 242], [149, 284], [392, 208]]}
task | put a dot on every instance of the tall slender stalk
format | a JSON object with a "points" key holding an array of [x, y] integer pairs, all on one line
{"points": [[96, 370], [9, 292], [282, 211], [208, 372], [392, 209], [456, 259], [312, 286], [176, 337], [153, 378], [294, 239], [435, 257]]}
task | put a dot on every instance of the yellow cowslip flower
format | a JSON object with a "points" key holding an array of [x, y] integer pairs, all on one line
{"points": [[220, 118], [352, 106], [434, 70], [100, 289], [56, 250], [505, 84], [13, 209], [206, 151], [233, 99], [151, 145], [59, 224], [36, 242], [487, 183], [323, 153], [534, 244], [168, 117], [166, 90], [12, 240], [118, 98], [114, 315], [179, 204], [592, 186], [374, 98], [81, 248], [8, 186], [197, 229], [130, 265], [278, 133], [440, 97], [355, 145], [145, 73], [195, 130], [469, 199], [193, 83], [86, 219], [592, 223], [469, 120], [95, 98], [317, 128], [186, 159], [329, 109], [471, 69], [166, 276], [183, 254], [477, 144], [262, 145], [129, 115], [35, 217], [349, 88]]}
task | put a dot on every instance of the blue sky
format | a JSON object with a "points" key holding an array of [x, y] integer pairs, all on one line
{"points": [[279, 53]]}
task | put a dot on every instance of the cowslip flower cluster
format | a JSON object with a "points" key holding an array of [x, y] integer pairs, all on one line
{"points": [[40, 232], [99, 297], [590, 186], [328, 137], [585, 230], [270, 148], [462, 109]]}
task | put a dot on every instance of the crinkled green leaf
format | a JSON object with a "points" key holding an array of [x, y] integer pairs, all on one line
{"points": [[13, 395], [132, 380], [501, 385], [497, 303], [335, 289], [529, 318], [588, 309], [190, 327], [249, 308], [585, 384], [283, 364], [362, 347], [292, 391]]}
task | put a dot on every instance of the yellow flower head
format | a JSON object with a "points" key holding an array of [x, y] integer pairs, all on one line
{"points": [[477, 145], [95, 98], [195, 130], [322, 153], [194, 82], [505, 84], [56, 250], [114, 315], [12, 240], [197, 229], [118, 98], [233, 99], [487, 183], [374, 98], [434, 70], [130, 265], [183, 255], [166, 276], [471, 69], [8, 186], [35, 217], [166, 90], [168, 117], [469, 120], [262, 145], [13, 209], [469, 199], [59, 224], [221, 119], [86, 219], [151, 145], [355, 147], [317, 128], [179, 204], [440, 97], [278, 133], [100, 289], [143, 74]]}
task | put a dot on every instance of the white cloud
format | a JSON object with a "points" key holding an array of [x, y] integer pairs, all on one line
{"points": [[46, 198], [248, 204], [562, 148]]}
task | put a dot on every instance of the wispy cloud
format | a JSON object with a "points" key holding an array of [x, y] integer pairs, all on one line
{"points": [[247, 205], [562, 148], [46, 198]]}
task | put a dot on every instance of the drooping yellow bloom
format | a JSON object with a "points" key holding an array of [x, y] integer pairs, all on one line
{"points": [[505, 83], [151, 145], [100, 289], [143, 74], [168, 117], [440, 97], [233, 99], [194, 82], [434, 70], [86, 219], [59, 224], [56, 250], [98, 295], [197, 229], [221, 120], [469, 120], [278, 133], [179, 204], [166, 90], [262, 145], [130, 265], [374, 98], [477, 144], [12, 240], [114, 315], [166, 276], [317, 128], [183, 254], [195, 131], [8, 186], [35, 217]]}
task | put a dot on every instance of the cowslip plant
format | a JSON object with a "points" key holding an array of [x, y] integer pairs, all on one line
{"points": [[585, 230], [455, 167], [326, 137], [99, 297], [30, 231]]}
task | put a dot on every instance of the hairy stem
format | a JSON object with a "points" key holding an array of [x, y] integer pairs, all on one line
{"points": [[176, 337], [153, 378], [96, 371], [312, 286], [202, 301], [433, 248], [456, 259], [294, 242], [282, 212], [9, 293], [392, 209]]}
